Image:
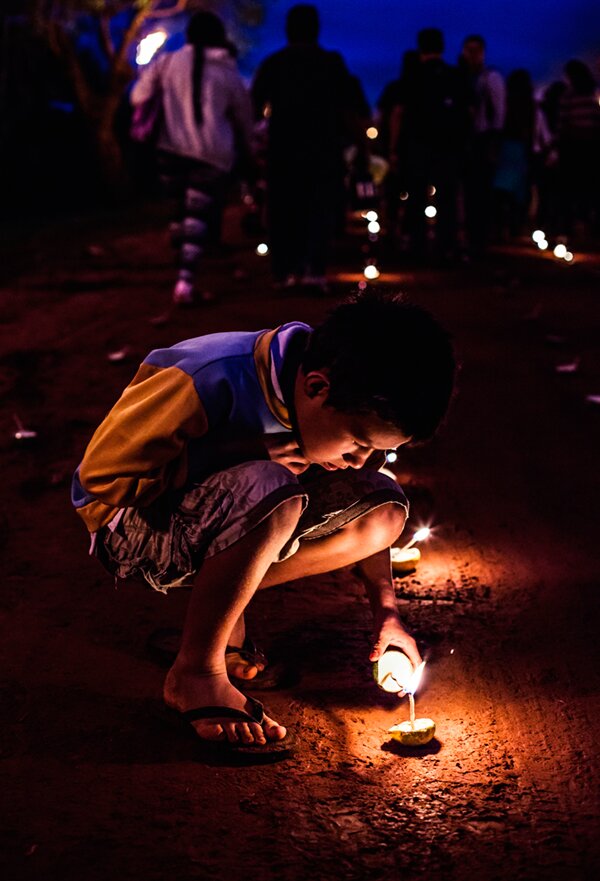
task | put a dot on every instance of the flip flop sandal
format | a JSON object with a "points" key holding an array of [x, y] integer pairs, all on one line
{"points": [[256, 714], [272, 675], [163, 644]]}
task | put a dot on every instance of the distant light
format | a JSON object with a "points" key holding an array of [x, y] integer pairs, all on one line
{"points": [[560, 251], [391, 456], [374, 227], [568, 257], [432, 190], [430, 211], [372, 132], [262, 249], [149, 46], [542, 245], [362, 285], [403, 196], [371, 272], [538, 235], [371, 216]]}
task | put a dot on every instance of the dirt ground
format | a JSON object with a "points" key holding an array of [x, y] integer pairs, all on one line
{"points": [[94, 782]]}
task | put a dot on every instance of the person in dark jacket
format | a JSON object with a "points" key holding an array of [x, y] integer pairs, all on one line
{"points": [[307, 94], [579, 146], [427, 136]]}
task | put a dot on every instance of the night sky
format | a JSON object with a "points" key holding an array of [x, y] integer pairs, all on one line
{"points": [[372, 34]]}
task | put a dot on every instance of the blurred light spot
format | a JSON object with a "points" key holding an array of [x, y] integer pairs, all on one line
{"points": [[568, 256], [262, 249], [430, 211], [391, 456], [560, 251], [372, 132], [432, 190], [149, 46], [542, 245], [374, 227], [371, 216], [371, 271], [538, 235], [403, 196]]}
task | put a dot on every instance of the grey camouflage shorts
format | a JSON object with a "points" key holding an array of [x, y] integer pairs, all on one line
{"points": [[166, 542]]}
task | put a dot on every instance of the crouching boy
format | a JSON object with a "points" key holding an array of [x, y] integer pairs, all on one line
{"points": [[238, 461]]}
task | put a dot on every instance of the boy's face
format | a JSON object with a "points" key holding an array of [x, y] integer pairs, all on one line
{"points": [[334, 439]]}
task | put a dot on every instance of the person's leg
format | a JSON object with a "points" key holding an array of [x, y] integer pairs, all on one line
{"points": [[223, 589], [353, 543], [283, 221], [202, 196], [172, 181]]}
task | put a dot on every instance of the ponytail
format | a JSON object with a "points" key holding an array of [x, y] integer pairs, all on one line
{"points": [[205, 31]]}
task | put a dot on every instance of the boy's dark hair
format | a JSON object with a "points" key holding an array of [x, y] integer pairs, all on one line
{"points": [[430, 41], [302, 23], [387, 357]]}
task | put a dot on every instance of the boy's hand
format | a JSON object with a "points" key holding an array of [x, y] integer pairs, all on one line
{"points": [[283, 449], [390, 632]]}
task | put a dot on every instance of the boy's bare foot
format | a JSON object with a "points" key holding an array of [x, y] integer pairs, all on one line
{"points": [[187, 691], [244, 663]]}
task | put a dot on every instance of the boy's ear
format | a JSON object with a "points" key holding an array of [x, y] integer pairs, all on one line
{"points": [[316, 384]]}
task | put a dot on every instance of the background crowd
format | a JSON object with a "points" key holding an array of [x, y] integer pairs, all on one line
{"points": [[456, 142], [480, 151]]}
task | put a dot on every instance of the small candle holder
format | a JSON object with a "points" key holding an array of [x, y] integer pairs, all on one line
{"points": [[405, 559], [395, 673], [413, 732]]}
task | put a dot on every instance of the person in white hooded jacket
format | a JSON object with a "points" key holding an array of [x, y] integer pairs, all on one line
{"points": [[206, 116]]}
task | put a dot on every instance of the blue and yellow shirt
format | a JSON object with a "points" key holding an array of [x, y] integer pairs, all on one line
{"points": [[190, 410]]}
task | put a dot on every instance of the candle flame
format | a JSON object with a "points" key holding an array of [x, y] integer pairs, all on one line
{"points": [[419, 535], [422, 534], [415, 680]]}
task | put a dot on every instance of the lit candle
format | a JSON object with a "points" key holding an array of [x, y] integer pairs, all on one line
{"points": [[405, 559], [413, 732], [420, 535]]}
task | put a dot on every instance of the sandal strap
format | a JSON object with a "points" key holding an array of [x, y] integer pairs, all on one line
{"points": [[248, 651], [256, 713]]}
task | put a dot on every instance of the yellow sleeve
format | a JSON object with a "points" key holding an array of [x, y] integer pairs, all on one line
{"points": [[139, 450]]}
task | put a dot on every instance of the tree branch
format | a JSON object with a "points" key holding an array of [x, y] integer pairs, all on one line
{"points": [[105, 35]]}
